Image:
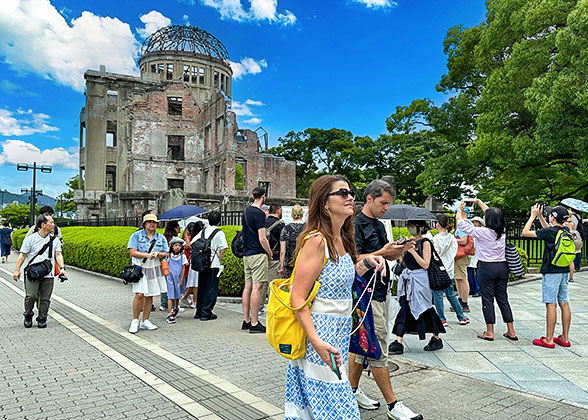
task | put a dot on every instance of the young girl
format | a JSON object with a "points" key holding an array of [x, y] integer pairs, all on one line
{"points": [[177, 263]]}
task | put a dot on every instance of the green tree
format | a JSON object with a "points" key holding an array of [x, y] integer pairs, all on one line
{"points": [[65, 201], [516, 125], [18, 214]]}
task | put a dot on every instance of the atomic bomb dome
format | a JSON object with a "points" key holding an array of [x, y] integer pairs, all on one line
{"points": [[190, 54]]}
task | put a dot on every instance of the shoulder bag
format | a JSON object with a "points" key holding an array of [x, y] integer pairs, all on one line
{"points": [[283, 331], [132, 273], [438, 277], [513, 260], [37, 271]]}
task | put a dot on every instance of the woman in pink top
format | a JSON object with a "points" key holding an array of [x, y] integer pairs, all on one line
{"points": [[492, 266]]}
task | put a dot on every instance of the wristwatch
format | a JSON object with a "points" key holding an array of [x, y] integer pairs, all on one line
{"points": [[367, 264]]}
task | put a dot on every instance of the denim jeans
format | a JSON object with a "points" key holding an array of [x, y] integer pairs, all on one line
{"points": [[473, 280], [578, 261], [452, 298]]}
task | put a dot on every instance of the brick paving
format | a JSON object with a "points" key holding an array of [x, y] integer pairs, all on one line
{"points": [[54, 374]]}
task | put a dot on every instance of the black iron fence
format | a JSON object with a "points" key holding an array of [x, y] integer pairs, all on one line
{"points": [[514, 227]]}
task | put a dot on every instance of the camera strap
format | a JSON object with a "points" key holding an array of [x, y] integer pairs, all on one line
{"points": [[49, 245]]}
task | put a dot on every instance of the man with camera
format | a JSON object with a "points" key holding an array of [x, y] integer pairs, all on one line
{"points": [[40, 251]]}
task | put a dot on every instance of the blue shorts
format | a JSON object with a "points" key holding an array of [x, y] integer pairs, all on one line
{"points": [[555, 287]]}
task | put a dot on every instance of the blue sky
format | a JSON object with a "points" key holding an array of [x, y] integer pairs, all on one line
{"points": [[298, 64]]}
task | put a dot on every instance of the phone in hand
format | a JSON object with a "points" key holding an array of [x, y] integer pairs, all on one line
{"points": [[469, 203], [334, 366], [403, 241]]}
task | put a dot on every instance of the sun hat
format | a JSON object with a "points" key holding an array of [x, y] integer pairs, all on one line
{"points": [[176, 240], [478, 219], [150, 218]]}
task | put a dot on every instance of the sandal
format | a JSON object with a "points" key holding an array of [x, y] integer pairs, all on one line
{"points": [[483, 336], [542, 343], [558, 340], [510, 337]]}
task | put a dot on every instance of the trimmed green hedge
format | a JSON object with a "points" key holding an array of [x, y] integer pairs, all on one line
{"points": [[104, 250]]}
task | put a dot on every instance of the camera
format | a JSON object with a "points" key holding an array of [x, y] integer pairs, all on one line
{"points": [[469, 203], [62, 277]]}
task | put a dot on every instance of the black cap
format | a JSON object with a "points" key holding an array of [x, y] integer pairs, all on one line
{"points": [[559, 213]]}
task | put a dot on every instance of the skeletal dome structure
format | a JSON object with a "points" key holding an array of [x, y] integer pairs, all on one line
{"points": [[190, 54]]}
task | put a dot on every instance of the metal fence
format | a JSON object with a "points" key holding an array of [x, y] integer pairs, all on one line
{"points": [[514, 227]]}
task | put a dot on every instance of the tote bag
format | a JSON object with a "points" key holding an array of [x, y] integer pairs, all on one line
{"points": [[364, 341]]}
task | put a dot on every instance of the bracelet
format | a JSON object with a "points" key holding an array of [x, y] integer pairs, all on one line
{"points": [[367, 264]]}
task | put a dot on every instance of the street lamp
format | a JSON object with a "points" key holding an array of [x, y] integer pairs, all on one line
{"points": [[46, 169]]}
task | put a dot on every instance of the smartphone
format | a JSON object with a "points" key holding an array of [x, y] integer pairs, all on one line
{"points": [[334, 366], [469, 203], [403, 241]]}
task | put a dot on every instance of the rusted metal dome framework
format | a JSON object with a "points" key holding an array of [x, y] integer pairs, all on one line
{"points": [[185, 38]]}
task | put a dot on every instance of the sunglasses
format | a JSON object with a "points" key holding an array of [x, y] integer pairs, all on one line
{"points": [[343, 192]]}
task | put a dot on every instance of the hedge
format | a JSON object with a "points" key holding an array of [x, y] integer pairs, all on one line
{"points": [[104, 250]]}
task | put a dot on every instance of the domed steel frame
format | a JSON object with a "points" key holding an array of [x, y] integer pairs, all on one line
{"points": [[185, 38]]}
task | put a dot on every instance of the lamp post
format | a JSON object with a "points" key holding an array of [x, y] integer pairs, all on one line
{"points": [[46, 169]]}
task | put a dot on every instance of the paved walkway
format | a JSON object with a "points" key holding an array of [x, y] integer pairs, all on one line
{"points": [[86, 365]]}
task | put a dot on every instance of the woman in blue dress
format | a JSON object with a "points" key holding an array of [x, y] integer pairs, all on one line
{"points": [[313, 390]]}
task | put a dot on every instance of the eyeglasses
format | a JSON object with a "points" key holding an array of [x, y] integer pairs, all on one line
{"points": [[343, 192]]}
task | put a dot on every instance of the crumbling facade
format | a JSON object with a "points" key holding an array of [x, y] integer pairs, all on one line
{"points": [[172, 128]]}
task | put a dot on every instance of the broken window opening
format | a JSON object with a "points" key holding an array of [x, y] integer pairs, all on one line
{"points": [[110, 184], [83, 135], [175, 183], [217, 179], [186, 73], [265, 186], [201, 75], [110, 133], [160, 68], [239, 174], [194, 74], [220, 130], [175, 147], [174, 106], [170, 72], [111, 97], [207, 142], [153, 68], [222, 82], [216, 80]]}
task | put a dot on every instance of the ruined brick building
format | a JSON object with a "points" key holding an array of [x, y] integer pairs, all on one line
{"points": [[171, 132]]}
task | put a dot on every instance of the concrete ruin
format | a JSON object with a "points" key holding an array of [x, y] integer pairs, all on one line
{"points": [[171, 133]]}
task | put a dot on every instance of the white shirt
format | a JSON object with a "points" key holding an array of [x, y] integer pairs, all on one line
{"points": [[446, 246], [218, 243], [33, 244]]}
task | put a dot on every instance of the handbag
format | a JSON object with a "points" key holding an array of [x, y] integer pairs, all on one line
{"points": [[7, 241], [132, 273], [37, 271], [398, 268], [438, 277], [283, 331], [513, 260], [467, 249], [364, 341]]}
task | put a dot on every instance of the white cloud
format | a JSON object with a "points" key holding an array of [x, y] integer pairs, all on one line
{"points": [[24, 123], [247, 65], [253, 121], [153, 21], [36, 38], [378, 4], [243, 109], [186, 19], [260, 10], [15, 151]]}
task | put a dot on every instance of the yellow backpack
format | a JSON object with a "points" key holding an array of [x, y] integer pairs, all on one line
{"points": [[283, 331]]}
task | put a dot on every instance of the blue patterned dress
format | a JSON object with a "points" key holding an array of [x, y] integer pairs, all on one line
{"points": [[313, 391]]}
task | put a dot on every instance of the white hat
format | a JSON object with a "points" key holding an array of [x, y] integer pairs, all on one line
{"points": [[176, 240], [478, 219]]}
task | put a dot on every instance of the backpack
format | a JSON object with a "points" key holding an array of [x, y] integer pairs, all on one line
{"points": [[565, 249], [237, 245], [201, 254], [268, 231]]}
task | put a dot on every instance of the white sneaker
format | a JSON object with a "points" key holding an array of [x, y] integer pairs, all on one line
{"points": [[193, 305], [184, 303], [180, 309], [134, 328], [147, 325], [402, 412], [364, 401], [161, 308]]}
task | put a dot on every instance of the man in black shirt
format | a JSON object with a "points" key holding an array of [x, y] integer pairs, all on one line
{"points": [[273, 229], [555, 279], [371, 238], [255, 261]]}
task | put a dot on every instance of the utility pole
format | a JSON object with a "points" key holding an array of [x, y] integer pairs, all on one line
{"points": [[44, 169]]}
